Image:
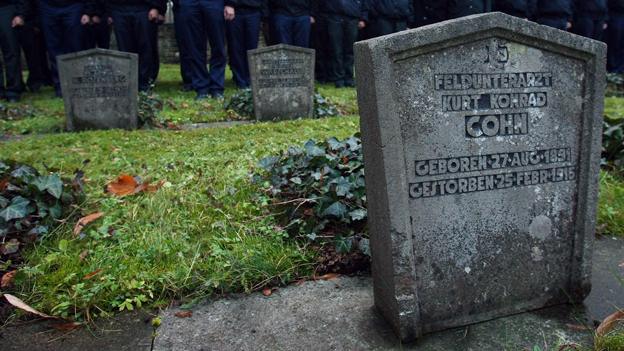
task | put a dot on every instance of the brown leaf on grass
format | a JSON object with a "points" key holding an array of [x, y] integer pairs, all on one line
{"points": [[122, 186], [328, 276], [126, 185], [83, 255], [67, 326], [84, 221], [267, 291], [609, 323], [92, 274], [16, 302], [184, 314], [3, 184], [7, 279]]}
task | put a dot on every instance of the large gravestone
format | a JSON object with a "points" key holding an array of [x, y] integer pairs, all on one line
{"points": [[99, 89], [482, 147], [282, 80]]}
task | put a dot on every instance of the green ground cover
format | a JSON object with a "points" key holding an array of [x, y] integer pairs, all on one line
{"points": [[206, 231]]}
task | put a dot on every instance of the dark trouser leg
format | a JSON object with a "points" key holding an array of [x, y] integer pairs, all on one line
{"points": [[155, 54], [584, 26], [320, 40], [88, 37], [282, 29], [380, 26], [336, 44], [253, 22], [215, 27], [184, 58], [193, 44], [616, 43], [236, 49], [399, 26], [146, 36], [350, 37], [102, 34], [26, 36], [52, 26], [301, 31], [10, 53]]}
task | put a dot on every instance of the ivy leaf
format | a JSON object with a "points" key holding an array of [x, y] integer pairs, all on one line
{"points": [[296, 180], [56, 211], [364, 246], [16, 210], [51, 183], [343, 186], [337, 209], [358, 214], [344, 245], [24, 172], [4, 202], [267, 163], [312, 149]]}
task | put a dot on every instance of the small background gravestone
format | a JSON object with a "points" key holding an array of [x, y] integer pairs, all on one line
{"points": [[100, 89], [481, 141], [282, 82]]}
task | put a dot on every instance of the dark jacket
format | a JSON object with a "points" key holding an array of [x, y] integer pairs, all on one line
{"points": [[27, 8], [518, 8], [160, 5], [392, 9], [428, 12], [350, 8], [247, 4], [596, 9], [554, 9], [460, 8], [292, 7], [616, 6]]}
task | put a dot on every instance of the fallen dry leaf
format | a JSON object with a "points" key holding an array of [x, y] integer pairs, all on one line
{"points": [[67, 326], [3, 184], [92, 274], [7, 279], [609, 322], [621, 264], [300, 282], [328, 276], [126, 185], [16, 302], [184, 314], [84, 221], [267, 291]]}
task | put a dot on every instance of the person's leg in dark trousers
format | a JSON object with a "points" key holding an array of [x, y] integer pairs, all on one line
{"points": [[301, 27], [88, 37], [132, 28], [242, 34], [320, 43], [11, 55], [193, 44], [380, 26], [215, 28], [616, 43], [350, 31], [27, 39], [584, 26], [102, 33], [63, 33], [155, 55], [336, 45], [282, 29], [187, 83]]}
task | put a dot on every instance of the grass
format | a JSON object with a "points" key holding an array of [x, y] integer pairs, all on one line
{"points": [[611, 205], [179, 106]]}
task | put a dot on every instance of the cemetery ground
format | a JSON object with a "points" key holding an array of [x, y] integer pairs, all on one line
{"points": [[208, 231]]}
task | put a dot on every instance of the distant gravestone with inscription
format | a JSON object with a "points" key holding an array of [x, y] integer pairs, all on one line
{"points": [[282, 80], [481, 141], [100, 89]]}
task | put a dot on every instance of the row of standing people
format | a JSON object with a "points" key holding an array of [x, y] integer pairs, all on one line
{"points": [[330, 26]]}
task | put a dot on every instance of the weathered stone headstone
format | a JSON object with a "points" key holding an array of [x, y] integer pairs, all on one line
{"points": [[282, 80], [100, 89], [482, 147]]}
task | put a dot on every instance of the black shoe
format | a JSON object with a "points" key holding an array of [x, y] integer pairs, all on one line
{"points": [[217, 96], [340, 85], [350, 84], [186, 87], [201, 96], [13, 99]]}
